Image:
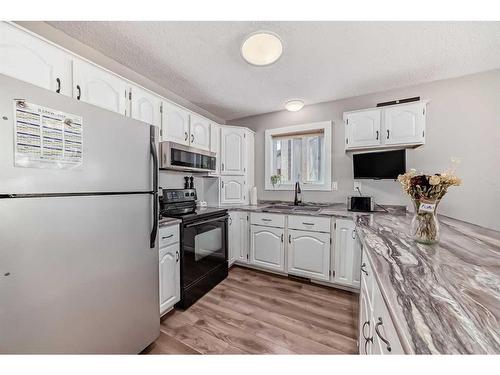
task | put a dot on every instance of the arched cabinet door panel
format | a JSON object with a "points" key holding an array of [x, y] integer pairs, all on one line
{"points": [[145, 106], [94, 85], [363, 128], [200, 132], [404, 124], [175, 124], [25, 57], [169, 274], [232, 151], [267, 248], [309, 254], [233, 190]]}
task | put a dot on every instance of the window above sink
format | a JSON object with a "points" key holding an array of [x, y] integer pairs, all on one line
{"points": [[299, 153]]}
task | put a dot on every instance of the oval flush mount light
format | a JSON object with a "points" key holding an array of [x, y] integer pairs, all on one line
{"points": [[262, 48], [294, 105]]}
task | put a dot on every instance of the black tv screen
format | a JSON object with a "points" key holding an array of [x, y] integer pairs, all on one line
{"points": [[379, 165]]}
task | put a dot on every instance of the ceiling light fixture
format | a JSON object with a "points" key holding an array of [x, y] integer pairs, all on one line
{"points": [[262, 48], [294, 105]]}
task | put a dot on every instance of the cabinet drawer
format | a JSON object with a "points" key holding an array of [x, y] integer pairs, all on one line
{"points": [[168, 235], [314, 224], [271, 220]]}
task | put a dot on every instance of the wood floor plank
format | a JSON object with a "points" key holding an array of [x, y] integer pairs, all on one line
{"points": [[252, 312]]}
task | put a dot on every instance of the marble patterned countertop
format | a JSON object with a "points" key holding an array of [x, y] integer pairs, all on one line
{"points": [[443, 298]]}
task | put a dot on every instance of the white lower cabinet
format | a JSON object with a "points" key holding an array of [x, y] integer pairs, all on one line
{"points": [[238, 237], [309, 254], [267, 248], [347, 254], [377, 334], [169, 271]]}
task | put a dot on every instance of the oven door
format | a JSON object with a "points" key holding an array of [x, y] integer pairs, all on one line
{"points": [[204, 248]]}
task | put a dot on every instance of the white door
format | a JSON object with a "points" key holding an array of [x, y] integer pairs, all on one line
{"points": [[169, 277], [267, 247], [356, 262], [232, 190], [344, 252], [94, 85], [30, 59], [199, 132], [232, 151], [309, 254], [365, 325], [363, 128], [233, 237], [175, 124], [145, 106], [404, 124]]}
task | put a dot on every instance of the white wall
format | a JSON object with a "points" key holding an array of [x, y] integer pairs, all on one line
{"points": [[175, 180], [463, 120]]}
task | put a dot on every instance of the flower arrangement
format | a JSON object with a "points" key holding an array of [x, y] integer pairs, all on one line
{"points": [[426, 192]]}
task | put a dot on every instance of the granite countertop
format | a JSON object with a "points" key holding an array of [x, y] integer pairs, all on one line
{"points": [[443, 298]]}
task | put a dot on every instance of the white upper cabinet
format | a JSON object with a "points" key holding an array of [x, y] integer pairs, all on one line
{"points": [[199, 132], [405, 124], [267, 248], [391, 126], [175, 124], [30, 59], [94, 85], [363, 128], [215, 138], [233, 190], [309, 254], [232, 150], [145, 106]]}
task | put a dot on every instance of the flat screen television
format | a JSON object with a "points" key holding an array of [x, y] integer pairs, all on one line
{"points": [[386, 165]]}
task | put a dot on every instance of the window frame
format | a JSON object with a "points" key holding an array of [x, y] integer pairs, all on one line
{"points": [[323, 126]]}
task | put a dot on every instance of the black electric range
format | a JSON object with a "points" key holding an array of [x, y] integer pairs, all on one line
{"points": [[204, 238]]}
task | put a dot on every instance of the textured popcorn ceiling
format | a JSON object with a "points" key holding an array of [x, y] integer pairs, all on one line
{"points": [[322, 61]]}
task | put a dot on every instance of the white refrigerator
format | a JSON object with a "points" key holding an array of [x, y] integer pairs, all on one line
{"points": [[78, 249]]}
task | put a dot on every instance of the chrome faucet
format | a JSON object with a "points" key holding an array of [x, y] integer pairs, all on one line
{"points": [[298, 194]]}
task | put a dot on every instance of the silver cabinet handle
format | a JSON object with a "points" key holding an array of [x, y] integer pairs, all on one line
{"points": [[388, 133], [266, 219], [377, 134], [192, 138], [177, 256], [281, 237], [363, 269], [385, 341], [79, 90], [185, 136], [58, 81], [169, 236], [289, 238], [354, 234], [230, 221], [308, 223], [222, 166], [222, 182]]}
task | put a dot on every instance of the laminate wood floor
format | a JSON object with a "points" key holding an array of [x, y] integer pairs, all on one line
{"points": [[253, 312]]}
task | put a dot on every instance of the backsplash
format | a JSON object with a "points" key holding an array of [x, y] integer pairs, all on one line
{"points": [[175, 180]]}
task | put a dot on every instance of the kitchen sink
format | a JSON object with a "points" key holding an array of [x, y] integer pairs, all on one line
{"points": [[289, 207]]}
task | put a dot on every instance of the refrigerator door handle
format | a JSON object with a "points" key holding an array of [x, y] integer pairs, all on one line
{"points": [[154, 155]]}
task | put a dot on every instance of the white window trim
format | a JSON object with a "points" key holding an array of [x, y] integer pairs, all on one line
{"points": [[326, 128]]}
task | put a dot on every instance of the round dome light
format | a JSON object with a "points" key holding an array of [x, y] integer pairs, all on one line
{"points": [[262, 48], [294, 105]]}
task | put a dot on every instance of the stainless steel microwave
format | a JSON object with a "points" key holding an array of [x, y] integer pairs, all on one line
{"points": [[175, 156]]}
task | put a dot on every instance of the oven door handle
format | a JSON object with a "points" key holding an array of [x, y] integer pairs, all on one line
{"points": [[207, 221]]}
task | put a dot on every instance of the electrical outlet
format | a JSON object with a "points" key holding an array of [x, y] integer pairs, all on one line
{"points": [[335, 186], [357, 185]]}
